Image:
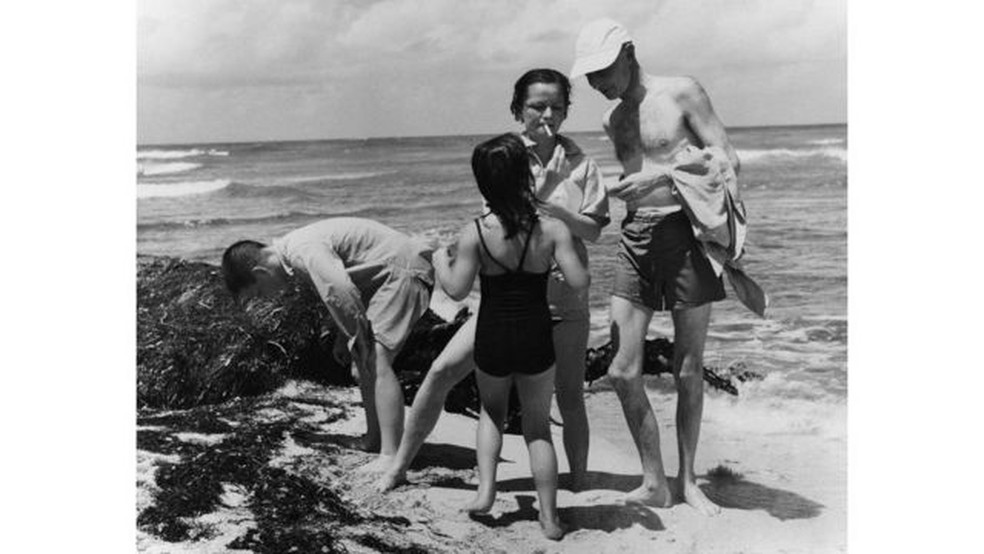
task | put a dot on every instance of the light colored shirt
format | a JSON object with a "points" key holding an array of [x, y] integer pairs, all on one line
{"points": [[347, 259], [582, 189]]}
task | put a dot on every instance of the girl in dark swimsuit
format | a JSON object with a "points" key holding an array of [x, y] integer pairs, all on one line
{"points": [[511, 250]]}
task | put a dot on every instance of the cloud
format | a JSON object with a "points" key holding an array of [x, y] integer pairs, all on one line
{"points": [[740, 33], [245, 42], [412, 67]]}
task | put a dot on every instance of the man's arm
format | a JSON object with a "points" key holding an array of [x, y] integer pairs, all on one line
{"points": [[340, 296], [702, 120]]}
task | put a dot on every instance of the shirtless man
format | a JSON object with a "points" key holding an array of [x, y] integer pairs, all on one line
{"points": [[659, 264]]}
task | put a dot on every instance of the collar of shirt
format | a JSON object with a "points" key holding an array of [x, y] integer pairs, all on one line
{"points": [[282, 256]]}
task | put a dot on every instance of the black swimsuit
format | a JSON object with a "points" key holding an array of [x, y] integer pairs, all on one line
{"points": [[514, 328]]}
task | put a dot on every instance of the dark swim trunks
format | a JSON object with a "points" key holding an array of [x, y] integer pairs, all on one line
{"points": [[660, 264]]}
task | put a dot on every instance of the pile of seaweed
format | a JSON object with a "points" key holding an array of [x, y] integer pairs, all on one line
{"points": [[197, 345], [658, 359], [291, 511]]}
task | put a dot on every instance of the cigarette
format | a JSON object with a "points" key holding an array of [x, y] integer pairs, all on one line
{"points": [[547, 129]]}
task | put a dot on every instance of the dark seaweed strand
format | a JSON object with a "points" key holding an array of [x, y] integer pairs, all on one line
{"points": [[292, 512]]}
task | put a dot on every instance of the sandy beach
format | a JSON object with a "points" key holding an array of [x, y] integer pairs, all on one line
{"points": [[785, 491]]}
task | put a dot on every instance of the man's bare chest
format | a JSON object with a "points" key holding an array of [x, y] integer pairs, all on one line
{"points": [[649, 131]]}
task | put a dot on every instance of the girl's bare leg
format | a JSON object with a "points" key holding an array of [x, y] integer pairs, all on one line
{"points": [[535, 392], [494, 393]]}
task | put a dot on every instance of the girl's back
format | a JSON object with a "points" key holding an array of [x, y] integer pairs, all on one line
{"points": [[500, 255], [514, 328]]}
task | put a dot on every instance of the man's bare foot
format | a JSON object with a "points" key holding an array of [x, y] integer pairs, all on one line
{"points": [[481, 505], [656, 496], [379, 465], [691, 494], [390, 480], [552, 529]]}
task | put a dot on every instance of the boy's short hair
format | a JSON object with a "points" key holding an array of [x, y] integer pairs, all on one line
{"points": [[238, 262]]}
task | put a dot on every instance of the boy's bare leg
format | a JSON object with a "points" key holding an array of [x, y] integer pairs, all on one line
{"points": [[365, 375], [629, 324], [453, 364], [389, 406], [689, 335], [570, 342]]}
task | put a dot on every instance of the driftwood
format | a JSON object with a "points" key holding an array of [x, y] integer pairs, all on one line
{"points": [[196, 345]]}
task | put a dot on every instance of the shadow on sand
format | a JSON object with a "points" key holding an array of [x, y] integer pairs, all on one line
{"points": [[449, 456], [737, 493], [732, 492], [602, 517], [727, 491]]}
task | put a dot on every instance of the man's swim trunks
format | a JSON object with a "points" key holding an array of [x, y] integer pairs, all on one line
{"points": [[660, 265]]}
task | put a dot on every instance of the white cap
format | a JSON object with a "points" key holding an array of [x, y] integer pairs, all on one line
{"points": [[598, 45]]}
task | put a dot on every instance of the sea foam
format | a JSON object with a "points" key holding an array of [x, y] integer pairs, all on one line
{"points": [[149, 168], [175, 154], [779, 153], [151, 190]]}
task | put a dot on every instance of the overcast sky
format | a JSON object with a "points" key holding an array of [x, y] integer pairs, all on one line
{"points": [[250, 70]]}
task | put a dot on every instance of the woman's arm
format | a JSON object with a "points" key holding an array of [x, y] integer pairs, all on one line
{"points": [[585, 223], [582, 226], [456, 279]]}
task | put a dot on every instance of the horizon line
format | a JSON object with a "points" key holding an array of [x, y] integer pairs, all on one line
{"points": [[729, 128]]}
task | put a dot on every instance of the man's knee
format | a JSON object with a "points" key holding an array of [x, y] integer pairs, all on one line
{"points": [[689, 368], [624, 371]]}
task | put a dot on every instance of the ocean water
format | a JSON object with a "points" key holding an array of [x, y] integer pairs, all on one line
{"points": [[195, 199]]}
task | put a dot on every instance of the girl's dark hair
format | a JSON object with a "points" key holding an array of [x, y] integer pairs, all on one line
{"points": [[534, 76], [502, 171]]}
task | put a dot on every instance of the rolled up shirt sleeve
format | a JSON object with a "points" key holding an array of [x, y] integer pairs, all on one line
{"points": [[336, 289], [595, 202]]}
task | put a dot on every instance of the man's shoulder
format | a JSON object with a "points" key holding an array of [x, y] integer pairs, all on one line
{"points": [[337, 232], [340, 226], [677, 86], [606, 118]]}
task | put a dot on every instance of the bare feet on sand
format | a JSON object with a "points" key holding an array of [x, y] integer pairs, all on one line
{"points": [[552, 529], [390, 480], [481, 505], [379, 465], [658, 496], [691, 494]]}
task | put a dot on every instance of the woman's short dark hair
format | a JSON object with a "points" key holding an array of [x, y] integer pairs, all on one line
{"points": [[534, 76], [502, 171]]}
